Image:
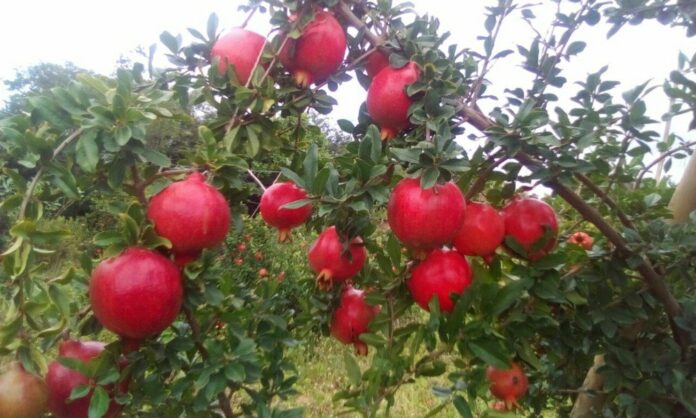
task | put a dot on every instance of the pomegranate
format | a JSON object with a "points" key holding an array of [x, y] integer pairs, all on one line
{"points": [[527, 221], [192, 214], [281, 276], [318, 52], [387, 101], [129, 345], [22, 395], [352, 318], [136, 294], [507, 385], [258, 255], [442, 273], [238, 261], [581, 239], [263, 272], [327, 258], [482, 232], [240, 48], [376, 62], [61, 381], [273, 212], [241, 247], [425, 219], [182, 260]]}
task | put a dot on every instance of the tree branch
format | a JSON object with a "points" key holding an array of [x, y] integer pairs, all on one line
{"points": [[606, 199], [685, 147]]}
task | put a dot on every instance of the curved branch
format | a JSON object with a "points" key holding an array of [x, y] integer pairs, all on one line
{"points": [[606, 199], [685, 147]]}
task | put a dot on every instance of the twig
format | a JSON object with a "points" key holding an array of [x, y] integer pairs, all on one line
{"points": [[139, 191], [480, 182], [39, 173], [167, 173], [256, 179], [685, 147], [196, 333], [606, 199], [248, 19]]}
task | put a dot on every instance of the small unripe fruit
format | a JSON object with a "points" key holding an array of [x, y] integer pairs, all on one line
{"points": [[508, 385]]}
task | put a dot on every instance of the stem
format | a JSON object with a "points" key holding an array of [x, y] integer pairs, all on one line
{"points": [[665, 138], [167, 173], [344, 11], [39, 173], [480, 182], [256, 179], [606, 199], [139, 191], [196, 333], [248, 18], [662, 157]]}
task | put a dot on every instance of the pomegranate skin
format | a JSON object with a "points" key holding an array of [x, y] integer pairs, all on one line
{"points": [[440, 274], [22, 394], [482, 232], [240, 48], [61, 381], [318, 52], [136, 294], [376, 62], [387, 101], [327, 260], [525, 221], [191, 213], [507, 385], [352, 318], [425, 219], [272, 211]]}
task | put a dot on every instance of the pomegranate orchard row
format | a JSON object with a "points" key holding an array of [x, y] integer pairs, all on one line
{"points": [[403, 216]]}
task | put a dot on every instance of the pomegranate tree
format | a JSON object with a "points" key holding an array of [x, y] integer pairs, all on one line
{"points": [[318, 52], [482, 232], [239, 48], [273, 212], [352, 318], [61, 381], [581, 239], [22, 394], [507, 385], [533, 226], [332, 261], [376, 62], [191, 213], [136, 294], [442, 273], [424, 219], [387, 101]]}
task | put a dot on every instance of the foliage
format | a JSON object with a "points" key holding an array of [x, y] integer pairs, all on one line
{"points": [[119, 141]]}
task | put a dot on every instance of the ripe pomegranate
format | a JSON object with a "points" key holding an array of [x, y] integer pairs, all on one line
{"points": [[192, 214], [129, 345], [238, 261], [241, 247], [527, 220], [239, 48], [581, 239], [425, 219], [61, 381], [387, 101], [376, 62], [136, 294], [273, 212], [328, 260], [440, 274], [22, 395], [263, 272], [258, 255], [281, 276], [352, 318], [318, 52], [181, 260], [507, 385], [482, 232]]}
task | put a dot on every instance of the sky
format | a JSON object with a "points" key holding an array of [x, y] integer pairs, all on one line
{"points": [[94, 34]]}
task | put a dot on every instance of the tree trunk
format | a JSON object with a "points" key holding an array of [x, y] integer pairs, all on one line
{"points": [[590, 405], [684, 198]]}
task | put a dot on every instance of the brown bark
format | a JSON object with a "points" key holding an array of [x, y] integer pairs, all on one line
{"points": [[587, 404]]}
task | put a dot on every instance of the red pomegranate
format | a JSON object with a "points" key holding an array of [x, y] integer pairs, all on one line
{"points": [[263, 272], [318, 52], [182, 260], [507, 385], [527, 221], [376, 62], [440, 274], [425, 219], [61, 381], [240, 48], [192, 214], [387, 101], [482, 232], [581, 239], [22, 394], [273, 212], [328, 260], [352, 318], [136, 294]]}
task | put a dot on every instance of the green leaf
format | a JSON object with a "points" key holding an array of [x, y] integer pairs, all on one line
{"points": [[294, 177], [462, 407], [79, 392], [156, 157], [354, 374], [212, 26], [346, 125], [429, 178], [122, 135], [88, 151], [170, 42], [489, 354], [99, 403], [311, 164], [297, 204], [576, 48], [106, 238], [235, 372]]}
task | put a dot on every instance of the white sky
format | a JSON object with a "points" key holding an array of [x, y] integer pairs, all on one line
{"points": [[93, 34]]}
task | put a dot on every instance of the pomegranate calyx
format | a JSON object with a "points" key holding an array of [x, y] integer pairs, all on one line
{"points": [[303, 78], [284, 235], [387, 133], [360, 348], [324, 280]]}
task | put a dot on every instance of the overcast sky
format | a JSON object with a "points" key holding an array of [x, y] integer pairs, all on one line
{"points": [[93, 34]]}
